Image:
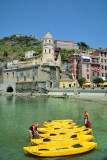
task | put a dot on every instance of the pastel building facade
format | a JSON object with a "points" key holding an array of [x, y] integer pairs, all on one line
{"points": [[66, 45], [84, 67], [89, 66], [103, 64]]}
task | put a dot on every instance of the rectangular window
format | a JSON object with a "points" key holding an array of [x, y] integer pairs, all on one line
{"points": [[106, 76], [87, 70], [24, 78], [101, 60], [33, 78], [97, 74], [102, 74], [21, 74], [101, 66], [7, 75], [17, 78], [93, 74], [87, 76], [13, 74], [86, 60], [87, 65]]}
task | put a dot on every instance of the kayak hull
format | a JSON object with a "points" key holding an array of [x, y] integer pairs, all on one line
{"points": [[70, 139], [60, 150]]}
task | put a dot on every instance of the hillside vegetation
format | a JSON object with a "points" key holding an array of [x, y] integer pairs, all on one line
{"points": [[14, 47]]}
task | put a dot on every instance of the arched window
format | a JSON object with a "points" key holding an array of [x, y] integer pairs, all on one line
{"points": [[21, 74], [7, 75], [13, 74], [24, 78], [33, 77], [9, 89], [17, 78]]}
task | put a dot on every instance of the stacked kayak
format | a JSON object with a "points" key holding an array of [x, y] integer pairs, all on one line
{"points": [[73, 137], [65, 150], [59, 123], [64, 134], [60, 129], [61, 138]]}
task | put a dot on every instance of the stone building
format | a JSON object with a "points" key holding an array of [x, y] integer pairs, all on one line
{"points": [[34, 77]]}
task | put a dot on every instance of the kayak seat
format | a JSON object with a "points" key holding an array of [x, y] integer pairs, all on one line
{"points": [[74, 136], [77, 145], [46, 140]]}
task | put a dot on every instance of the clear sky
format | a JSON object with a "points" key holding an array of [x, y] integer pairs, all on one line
{"points": [[70, 20]]}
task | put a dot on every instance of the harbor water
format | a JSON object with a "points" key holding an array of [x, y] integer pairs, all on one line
{"points": [[18, 113]]}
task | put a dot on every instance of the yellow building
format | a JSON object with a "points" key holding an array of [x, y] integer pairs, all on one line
{"points": [[88, 85], [103, 84], [68, 84]]}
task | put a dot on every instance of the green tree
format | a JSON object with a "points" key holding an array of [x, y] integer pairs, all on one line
{"points": [[98, 80], [81, 81], [83, 45], [64, 54], [2, 58], [38, 50], [5, 54]]}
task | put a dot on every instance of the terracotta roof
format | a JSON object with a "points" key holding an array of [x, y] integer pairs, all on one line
{"points": [[95, 53]]}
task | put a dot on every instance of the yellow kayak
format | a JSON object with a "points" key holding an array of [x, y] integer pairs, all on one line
{"points": [[65, 134], [58, 129], [70, 139], [60, 125], [58, 121], [60, 150], [64, 124]]}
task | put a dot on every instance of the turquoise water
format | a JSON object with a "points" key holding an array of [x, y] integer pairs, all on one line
{"points": [[18, 113]]}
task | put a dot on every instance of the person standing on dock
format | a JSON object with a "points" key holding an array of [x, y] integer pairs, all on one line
{"points": [[86, 117]]}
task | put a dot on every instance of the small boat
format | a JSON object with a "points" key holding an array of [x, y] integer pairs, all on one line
{"points": [[65, 134], [60, 125], [60, 150], [70, 139], [60, 129], [58, 122]]}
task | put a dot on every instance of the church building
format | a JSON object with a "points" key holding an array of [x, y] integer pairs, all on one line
{"points": [[25, 77]]}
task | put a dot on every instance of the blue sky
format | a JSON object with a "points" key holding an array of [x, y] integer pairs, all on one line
{"points": [[70, 20]]}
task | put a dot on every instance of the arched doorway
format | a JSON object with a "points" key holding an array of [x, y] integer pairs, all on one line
{"points": [[9, 89]]}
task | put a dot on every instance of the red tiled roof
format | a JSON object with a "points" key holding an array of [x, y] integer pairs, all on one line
{"points": [[95, 53]]}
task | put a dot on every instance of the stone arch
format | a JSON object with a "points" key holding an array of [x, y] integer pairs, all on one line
{"points": [[9, 89]]}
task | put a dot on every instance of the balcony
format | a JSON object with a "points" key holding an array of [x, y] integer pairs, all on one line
{"points": [[95, 70], [95, 61]]}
